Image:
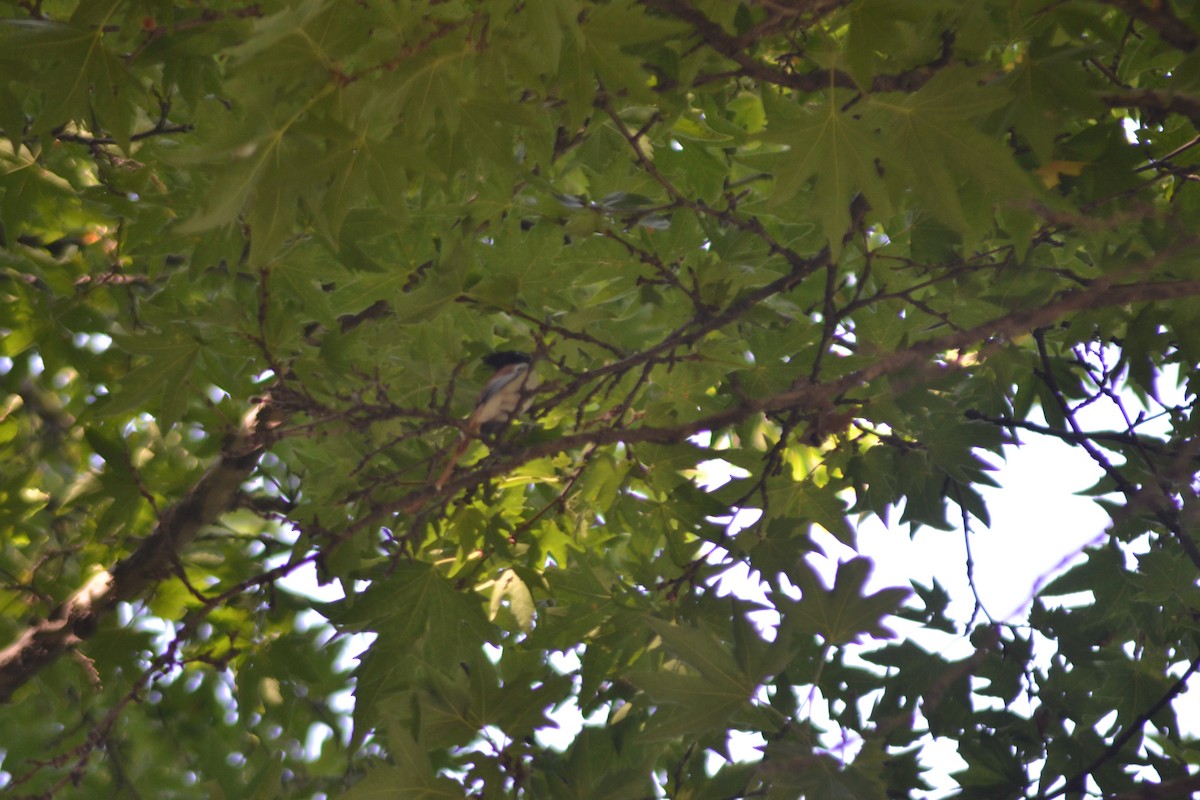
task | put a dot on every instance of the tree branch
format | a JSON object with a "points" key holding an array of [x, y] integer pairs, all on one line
{"points": [[810, 395], [216, 491], [157, 130], [1159, 16], [734, 48], [1075, 782], [1155, 104], [1167, 514], [77, 618], [1178, 789], [1070, 437]]}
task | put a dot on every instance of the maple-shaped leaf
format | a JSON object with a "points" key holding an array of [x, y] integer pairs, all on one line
{"points": [[418, 603], [829, 147], [806, 501], [409, 773], [841, 614], [933, 147], [80, 77]]}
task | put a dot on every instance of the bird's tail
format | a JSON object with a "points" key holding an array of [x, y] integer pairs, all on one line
{"points": [[451, 463]]}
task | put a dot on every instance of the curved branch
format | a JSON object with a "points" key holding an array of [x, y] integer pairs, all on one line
{"points": [[1075, 782], [1162, 19], [1167, 790], [1167, 515], [734, 47], [1155, 103], [811, 395], [77, 618], [157, 130], [216, 491]]}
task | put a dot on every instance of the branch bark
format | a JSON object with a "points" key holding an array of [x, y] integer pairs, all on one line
{"points": [[1167, 790], [1156, 104], [216, 491], [78, 617], [735, 48], [812, 395], [1076, 781], [1160, 17]]}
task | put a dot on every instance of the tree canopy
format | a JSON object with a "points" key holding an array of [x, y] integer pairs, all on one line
{"points": [[846, 250]]}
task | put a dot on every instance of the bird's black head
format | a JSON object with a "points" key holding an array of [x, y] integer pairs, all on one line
{"points": [[504, 358]]}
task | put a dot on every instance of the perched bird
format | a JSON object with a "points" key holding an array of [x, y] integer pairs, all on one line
{"points": [[502, 396], [503, 393]]}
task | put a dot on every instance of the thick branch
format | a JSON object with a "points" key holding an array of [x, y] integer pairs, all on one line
{"points": [[1075, 782], [809, 395], [1155, 104], [1160, 17], [734, 48], [215, 493], [77, 618], [1179, 789]]}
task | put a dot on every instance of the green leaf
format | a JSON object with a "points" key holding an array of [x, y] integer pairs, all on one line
{"points": [[251, 255], [83, 76], [805, 500], [841, 614], [417, 601], [931, 140], [411, 775], [693, 705], [828, 147], [163, 382], [509, 587], [707, 654]]}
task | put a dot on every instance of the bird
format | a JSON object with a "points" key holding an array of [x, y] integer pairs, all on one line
{"points": [[501, 399]]}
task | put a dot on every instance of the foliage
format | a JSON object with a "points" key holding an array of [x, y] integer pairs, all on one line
{"points": [[252, 254]]}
